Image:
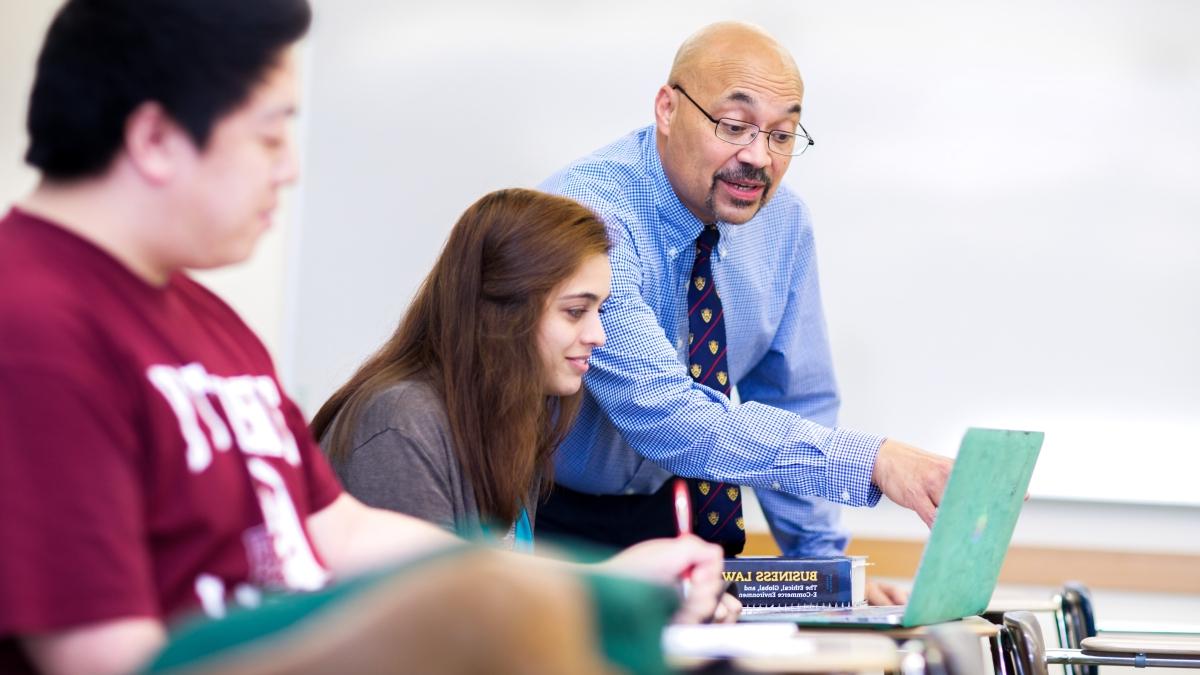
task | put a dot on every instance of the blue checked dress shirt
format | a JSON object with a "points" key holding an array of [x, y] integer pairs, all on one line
{"points": [[643, 419]]}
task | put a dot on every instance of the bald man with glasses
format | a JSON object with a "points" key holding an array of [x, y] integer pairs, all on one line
{"points": [[714, 286]]}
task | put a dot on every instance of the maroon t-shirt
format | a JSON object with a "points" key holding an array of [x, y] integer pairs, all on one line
{"points": [[149, 461]]}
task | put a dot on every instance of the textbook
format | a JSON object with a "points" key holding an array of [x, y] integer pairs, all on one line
{"points": [[769, 581]]}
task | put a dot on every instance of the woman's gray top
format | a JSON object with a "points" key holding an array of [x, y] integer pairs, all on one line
{"points": [[402, 458]]}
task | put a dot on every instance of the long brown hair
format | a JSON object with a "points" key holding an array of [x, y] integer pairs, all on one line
{"points": [[471, 332]]}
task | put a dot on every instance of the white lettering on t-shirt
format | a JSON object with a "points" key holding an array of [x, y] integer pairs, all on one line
{"points": [[247, 595], [211, 592], [185, 392], [278, 551], [252, 405], [290, 562]]}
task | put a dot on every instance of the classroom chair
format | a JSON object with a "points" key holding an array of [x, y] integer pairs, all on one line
{"points": [[1077, 621], [953, 649], [1030, 655]]}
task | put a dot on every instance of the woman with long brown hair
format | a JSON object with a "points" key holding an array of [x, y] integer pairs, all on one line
{"points": [[455, 419]]}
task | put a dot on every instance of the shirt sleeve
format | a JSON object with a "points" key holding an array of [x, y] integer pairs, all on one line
{"points": [[691, 430], [71, 495]]}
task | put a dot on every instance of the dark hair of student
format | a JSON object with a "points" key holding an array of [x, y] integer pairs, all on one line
{"points": [[471, 332], [199, 59]]}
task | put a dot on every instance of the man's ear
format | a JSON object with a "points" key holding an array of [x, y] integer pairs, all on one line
{"points": [[155, 144], [664, 109]]}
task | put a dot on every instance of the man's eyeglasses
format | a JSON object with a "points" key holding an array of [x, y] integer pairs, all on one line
{"points": [[738, 132]]}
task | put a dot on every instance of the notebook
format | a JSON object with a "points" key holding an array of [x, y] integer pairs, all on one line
{"points": [[966, 547]]}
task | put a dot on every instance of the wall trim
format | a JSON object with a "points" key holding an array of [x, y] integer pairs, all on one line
{"points": [[1035, 565]]}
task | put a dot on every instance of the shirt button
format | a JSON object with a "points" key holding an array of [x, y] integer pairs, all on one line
{"points": [[845, 495], [628, 491], [721, 250], [775, 485], [671, 252]]}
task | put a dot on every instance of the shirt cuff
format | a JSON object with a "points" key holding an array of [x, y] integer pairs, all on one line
{"points": [[849, 463]]}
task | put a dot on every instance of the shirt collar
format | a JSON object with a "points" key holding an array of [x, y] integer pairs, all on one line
{"points": [[679, 226]]}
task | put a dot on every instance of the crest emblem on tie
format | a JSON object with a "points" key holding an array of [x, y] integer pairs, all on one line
{"points": [[741, 523], [732, 493], [713, 346], [706, 314], [713, 517], [699, 281], [703, 487], [722, 377], [695, 370]]}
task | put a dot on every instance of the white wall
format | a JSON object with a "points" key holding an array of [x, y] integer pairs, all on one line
{"points": [[1005, 198], [1036, 161], [24, 24]]}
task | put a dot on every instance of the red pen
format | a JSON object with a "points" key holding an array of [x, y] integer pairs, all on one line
{"points": [[683, 518]]}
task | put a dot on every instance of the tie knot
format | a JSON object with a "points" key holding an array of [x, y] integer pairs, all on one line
{"points": [[709, 237]]}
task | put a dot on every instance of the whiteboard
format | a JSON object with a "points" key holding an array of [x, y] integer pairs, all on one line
{"points": [[1006, 198]]}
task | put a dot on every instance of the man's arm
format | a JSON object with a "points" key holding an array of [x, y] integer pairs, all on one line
{"points": [[638, 380]]}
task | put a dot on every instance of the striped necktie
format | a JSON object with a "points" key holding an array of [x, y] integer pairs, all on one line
{"points": [[718, 506]]}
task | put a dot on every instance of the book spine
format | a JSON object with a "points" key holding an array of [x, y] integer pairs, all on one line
{"points": [[792, 582]]}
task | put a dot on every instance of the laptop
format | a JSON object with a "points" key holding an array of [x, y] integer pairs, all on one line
{"points": [[966, 547]]}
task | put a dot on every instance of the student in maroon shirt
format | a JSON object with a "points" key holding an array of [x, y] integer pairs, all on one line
{"points": [[150, 462]]}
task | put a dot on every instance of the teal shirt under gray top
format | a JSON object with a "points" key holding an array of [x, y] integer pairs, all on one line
{"points": [[402, 458]]}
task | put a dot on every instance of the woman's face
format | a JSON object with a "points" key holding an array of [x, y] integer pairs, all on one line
{"points": [[570, 326]]}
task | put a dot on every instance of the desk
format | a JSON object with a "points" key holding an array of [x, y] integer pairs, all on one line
{"points": [[780, 648], [999, 606], [784, 648], [974, 625]]}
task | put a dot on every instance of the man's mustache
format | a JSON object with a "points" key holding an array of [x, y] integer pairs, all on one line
{"points": [[745, 172]]}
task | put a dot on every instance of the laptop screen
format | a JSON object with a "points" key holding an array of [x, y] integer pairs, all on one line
{"points": [[974, 524]]}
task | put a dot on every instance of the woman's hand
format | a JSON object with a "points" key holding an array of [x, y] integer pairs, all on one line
{"points": [[687, 560]]}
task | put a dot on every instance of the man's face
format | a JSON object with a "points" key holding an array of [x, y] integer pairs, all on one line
{"points": [[228, 192], [714, 179]]}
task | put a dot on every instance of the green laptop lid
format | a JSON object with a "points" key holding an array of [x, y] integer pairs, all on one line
{"points": [[975, 521]]}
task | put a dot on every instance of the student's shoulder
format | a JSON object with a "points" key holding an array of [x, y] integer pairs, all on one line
{"points": [[35, 286], [408, 406], [46, 318], [406, 419], [43, 265]]}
